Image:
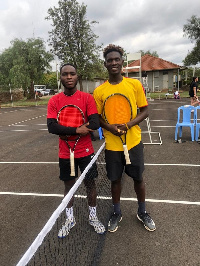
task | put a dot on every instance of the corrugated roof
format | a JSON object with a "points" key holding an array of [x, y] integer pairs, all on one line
{"points": [[150, 63]]}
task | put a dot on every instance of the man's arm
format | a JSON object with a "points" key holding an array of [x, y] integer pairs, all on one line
{"points": [[195, 91], [55, 128], [144, 113], [94, 122], [114, 129]]}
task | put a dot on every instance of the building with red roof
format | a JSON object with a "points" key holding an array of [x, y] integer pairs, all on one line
{"points": [[155, 73]]}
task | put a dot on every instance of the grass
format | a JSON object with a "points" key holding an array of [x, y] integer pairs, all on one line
{"points": [[44, 100], [25, 102], [162, 95]]}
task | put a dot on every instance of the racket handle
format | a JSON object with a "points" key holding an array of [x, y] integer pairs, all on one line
{"points": [[126, 154], [72, 163]]}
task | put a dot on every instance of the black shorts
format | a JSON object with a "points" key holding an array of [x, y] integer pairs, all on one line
{"points": [[82, 162], [116, 164]]}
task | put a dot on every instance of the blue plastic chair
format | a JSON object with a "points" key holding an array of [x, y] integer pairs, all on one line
{"points": [[197, 124], [185, 119]]}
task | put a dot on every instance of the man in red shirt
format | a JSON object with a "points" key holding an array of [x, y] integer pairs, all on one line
{"points": [[84, 150]]}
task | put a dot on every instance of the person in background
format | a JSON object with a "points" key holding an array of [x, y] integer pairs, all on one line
{"points": [[193, 91], [84, 150], [114, 155], [176, 95]]}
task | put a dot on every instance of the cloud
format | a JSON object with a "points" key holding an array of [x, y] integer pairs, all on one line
{"points": [[135, 25]]}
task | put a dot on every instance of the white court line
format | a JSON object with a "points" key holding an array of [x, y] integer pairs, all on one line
{"points": [[163, 126], [101, 197], [20, 125], [20, 130], [29, 162], [29, 119], [173, 164], [159, 120], [149, 164]]}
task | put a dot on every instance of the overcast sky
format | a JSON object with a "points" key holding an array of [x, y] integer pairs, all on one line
{"points": [[154, 25]]}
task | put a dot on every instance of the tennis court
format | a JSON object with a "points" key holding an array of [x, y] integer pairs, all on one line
{"points": [[28, 164]]}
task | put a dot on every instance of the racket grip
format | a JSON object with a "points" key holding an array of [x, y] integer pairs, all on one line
{"points": [[126, 154], [72, 163]]}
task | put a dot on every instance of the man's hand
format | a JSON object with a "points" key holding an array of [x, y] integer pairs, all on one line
{"points": [[117, 129], [83, 130]]}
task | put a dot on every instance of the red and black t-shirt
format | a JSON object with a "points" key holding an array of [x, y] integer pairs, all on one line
{"points": [[87, 104]]}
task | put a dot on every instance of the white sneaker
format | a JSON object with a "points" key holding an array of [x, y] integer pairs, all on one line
{"points": [[66, 227], [98, 226]]}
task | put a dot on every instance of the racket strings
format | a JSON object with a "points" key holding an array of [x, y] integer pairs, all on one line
{"points": [[117, 110], [70, 117]]}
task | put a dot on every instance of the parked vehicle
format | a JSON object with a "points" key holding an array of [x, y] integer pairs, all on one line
{"points": [[44, 92], [50, 91]]}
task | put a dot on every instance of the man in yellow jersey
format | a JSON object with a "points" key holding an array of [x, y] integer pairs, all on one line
{"points": [[114, 155]]}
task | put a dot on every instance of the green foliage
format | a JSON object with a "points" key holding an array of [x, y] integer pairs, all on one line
{"points": [[154, 53], [50, 80], [72, 38], [192, 31], [23, 63]]}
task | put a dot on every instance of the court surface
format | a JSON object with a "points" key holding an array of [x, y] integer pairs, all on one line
{"points": [[29, 164]]}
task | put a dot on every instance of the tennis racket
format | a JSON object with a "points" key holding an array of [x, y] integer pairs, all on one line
{"points": [[117, 110], [71, 116]]}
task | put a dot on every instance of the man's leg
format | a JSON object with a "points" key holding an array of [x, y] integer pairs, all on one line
{"points": [[139, 187], [91, 191], [116, 216], [92, 196], [116, 190], [70, 222], [142, 215], [115, 167], [90, 186], [68, 185]]}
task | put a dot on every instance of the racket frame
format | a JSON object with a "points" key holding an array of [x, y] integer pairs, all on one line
{"points": [[125, 148], [71, 150]]}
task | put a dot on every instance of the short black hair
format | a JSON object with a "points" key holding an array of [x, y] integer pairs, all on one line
{"points": [[193, 79], [111, 48], [67, 64]]}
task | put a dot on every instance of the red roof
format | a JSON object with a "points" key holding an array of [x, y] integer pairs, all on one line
{"points": [[149, 63]]}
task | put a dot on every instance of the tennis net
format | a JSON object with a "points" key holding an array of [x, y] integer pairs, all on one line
{"points": [[83, 246]]}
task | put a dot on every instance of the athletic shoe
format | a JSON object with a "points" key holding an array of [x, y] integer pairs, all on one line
{"points": [[113, 222], [98, 226], [147, 221], [66, 227]]}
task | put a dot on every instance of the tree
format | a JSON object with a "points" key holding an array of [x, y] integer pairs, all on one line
{"points": [[154, 53], [72, 38], [50, 80], [192, 31], [23, 63]]}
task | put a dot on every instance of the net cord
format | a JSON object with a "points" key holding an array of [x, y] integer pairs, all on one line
{"points": [[39, 239]]}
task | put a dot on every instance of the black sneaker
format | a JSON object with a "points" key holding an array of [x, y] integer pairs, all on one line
{"points": [[113, 222], [147, 221]]}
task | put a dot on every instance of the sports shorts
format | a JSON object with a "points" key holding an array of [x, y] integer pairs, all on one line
{"points": [[64, 165], [116, 164]]}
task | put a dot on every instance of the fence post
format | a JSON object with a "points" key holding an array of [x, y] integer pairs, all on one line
{"points": [[11, 98]]}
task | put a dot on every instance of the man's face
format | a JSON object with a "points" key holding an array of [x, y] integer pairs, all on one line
{"points": [[113, 62], [68, 77]]}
